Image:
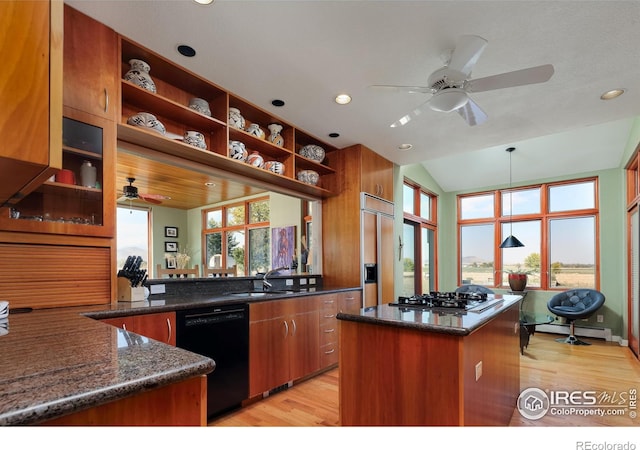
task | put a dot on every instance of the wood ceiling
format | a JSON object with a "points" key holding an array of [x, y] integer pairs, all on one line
{"points": [[184, 183]]}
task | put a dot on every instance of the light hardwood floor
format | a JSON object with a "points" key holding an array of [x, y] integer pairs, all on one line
{"points": [[546, 364]]}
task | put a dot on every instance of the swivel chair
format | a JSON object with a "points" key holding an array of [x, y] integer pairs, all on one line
{"points": [[474, 288], [575, 304]]}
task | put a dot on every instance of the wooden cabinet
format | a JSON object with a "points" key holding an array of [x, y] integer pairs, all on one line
{"points": [[349, 302], [328, 330], [357, 170], [72, 206], [31, 80], [91, 80], [376, 174], [175, 88], [158, 326], [283, 342]]}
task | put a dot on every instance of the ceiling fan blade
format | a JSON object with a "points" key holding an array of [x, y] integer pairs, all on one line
{"points": [[409, 89], [472, 113], [156, 199], [532, 75], [466, 53], [406, 119]]}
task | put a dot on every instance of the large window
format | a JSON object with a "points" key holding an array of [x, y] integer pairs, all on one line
{"points": [[556, 222], [238, 235], [132, 234], [418, 240]]}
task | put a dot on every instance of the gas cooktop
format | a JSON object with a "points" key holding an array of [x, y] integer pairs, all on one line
{"points": [[464, 301]]}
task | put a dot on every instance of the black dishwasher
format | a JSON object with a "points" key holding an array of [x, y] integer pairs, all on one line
{"points": [[222, 334]]}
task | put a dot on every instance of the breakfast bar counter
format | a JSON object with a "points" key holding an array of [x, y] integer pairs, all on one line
{"points": [[414, 366], [57, 363]]}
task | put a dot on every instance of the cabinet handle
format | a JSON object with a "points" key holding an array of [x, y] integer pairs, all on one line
{"points": [[286, 329], [170, 330], [330, 330], [106, 100], [330, 316], [295, 327], [328, 302], [330, 351]]}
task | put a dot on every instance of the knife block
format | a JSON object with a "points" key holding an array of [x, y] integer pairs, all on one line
{"points": [[126, 293]]}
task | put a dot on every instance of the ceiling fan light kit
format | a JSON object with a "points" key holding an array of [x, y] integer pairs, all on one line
{"points": [[448, 100]]}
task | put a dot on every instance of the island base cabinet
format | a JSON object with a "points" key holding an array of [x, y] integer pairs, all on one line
{"points": [[180, 404], [402, 376]]}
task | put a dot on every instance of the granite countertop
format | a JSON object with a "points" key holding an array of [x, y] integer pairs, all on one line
{"points": [[161, 302], [434, 320], [60, 360]]}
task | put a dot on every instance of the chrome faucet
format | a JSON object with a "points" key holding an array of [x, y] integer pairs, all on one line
{"points": [[265, 283]]}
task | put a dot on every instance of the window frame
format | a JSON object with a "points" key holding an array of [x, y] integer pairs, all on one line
{"points": [[544, 217], [224, 229], [419, 222]]}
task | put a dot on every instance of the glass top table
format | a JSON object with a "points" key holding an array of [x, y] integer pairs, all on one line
{"points": [[528, 322]]}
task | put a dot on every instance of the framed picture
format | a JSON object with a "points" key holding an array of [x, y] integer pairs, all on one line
{"points": [[171, 232], [283, 244], [171, 262], [170, 246]]}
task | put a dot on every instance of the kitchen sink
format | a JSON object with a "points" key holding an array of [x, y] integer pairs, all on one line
{"points": [[249, 294]]}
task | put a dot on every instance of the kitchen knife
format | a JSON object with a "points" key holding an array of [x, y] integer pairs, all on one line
{"points": [[136, 263], [126, 267]]}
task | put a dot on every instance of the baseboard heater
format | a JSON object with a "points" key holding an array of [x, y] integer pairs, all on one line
{"points": [[600, 333], [281, 388]]}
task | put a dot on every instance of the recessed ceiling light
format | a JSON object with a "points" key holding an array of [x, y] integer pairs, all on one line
{"points": [[334, 135], [186, 50], [405, 147], [277, 102], [612, 94], [210, 184], [343, 99], [204, 2]]}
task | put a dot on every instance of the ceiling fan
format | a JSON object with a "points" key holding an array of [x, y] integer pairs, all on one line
{"points": [[130, 192], [450, 85]]}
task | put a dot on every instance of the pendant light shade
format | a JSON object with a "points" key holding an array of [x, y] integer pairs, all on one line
{"points": [[511, 241]]}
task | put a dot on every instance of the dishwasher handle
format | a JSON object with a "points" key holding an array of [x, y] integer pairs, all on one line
{"points": [[213, 316]]}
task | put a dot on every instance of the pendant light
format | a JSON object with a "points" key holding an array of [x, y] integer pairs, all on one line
{"points": [[511, 241]]}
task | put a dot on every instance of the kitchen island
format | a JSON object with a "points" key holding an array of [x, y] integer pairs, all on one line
{"points": [[411, 366], [59, 368]]}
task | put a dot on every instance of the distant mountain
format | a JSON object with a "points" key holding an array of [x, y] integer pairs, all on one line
{"points": [[127, 251], [468, 260]]}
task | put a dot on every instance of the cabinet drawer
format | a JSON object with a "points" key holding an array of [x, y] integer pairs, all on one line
{"points": [[328, 334], [328, 355]]}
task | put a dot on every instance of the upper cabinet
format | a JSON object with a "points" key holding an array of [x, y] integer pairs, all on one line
{"points": [[30, 95], [169, 109], [377, 174], [79, 199], [90, 65]]}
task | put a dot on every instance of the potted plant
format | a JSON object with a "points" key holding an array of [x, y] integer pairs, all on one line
{"points": [[518, 278]]}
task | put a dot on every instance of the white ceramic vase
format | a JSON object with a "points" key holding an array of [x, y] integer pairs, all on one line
{"points": [[235, 119], [255, 130], [238, 151], [255, 160], [275, 137], [139, 75]]}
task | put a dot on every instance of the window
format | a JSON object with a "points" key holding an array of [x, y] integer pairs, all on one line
{"points": [[556, 222], [418, 240], [132, 235], [230, 230]]}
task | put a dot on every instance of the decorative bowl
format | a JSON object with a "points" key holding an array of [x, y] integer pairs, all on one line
{"points": [[255, 160], [313, 152], [309, 177], [147, 120], [195, 138], [255, 130], [275, 167], [238, 151], [139, 75], [200, 105]]}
